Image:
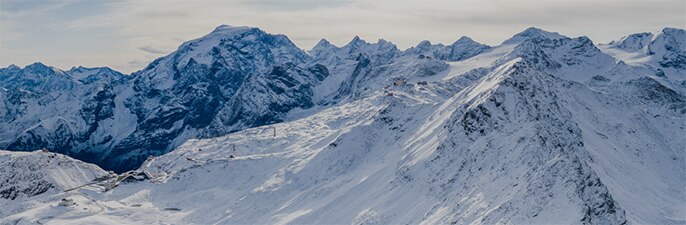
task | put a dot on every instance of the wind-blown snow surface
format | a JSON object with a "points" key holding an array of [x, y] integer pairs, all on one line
{"points": [[543, 129]]}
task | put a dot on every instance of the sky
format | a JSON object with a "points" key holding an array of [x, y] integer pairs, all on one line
{"points": [[128, 34]]}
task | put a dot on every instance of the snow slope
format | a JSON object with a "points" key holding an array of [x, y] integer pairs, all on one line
{"points": [[29, 178], [26, 174]]}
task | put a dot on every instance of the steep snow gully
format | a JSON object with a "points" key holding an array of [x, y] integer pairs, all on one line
{"points": [[242, 127]]}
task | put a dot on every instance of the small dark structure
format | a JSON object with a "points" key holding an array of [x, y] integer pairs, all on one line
{"points": [[135, 176], [67, 202]]}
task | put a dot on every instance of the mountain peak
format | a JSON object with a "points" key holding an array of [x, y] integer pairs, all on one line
{"points": [[633, 41], [322, 46], [382, 41], [672, 30], [80, 68], [224, 31], [13, 67], [36, 65], [357, 41], [674, 37], [39, 67], [531, 33], [231, 41], [89, 69], [536, 31], [670, 48], [461, 49], [231, 29], [464, 39], [323, 43], [89, 74], [425, 44]]}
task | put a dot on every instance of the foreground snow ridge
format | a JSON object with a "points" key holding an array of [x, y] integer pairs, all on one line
{"points": [[542, 129]]}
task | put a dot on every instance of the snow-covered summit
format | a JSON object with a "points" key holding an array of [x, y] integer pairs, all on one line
{"points": [[234, 41], [89, 75], [423, 45], [662, 54], [670, 46], [40, 78], [323, 44], [36, 77], [533, 33], [11, 67], [226, 29], [356, 43], [633, 42], [380, 52], [461, 49]]}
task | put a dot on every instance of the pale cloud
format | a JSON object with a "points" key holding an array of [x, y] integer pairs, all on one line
{"points": [[152, 50], [126, 34], [296, 5], [13, 9], [163, 14]]}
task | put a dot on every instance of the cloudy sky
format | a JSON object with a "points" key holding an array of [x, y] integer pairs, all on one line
{"points": [[128, 34]]}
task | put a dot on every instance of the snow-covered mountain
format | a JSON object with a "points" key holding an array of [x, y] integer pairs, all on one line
{"points": [[228, 80], [231, 79], [542, 129], [461, 49], [664, 53], [45, 107]]}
